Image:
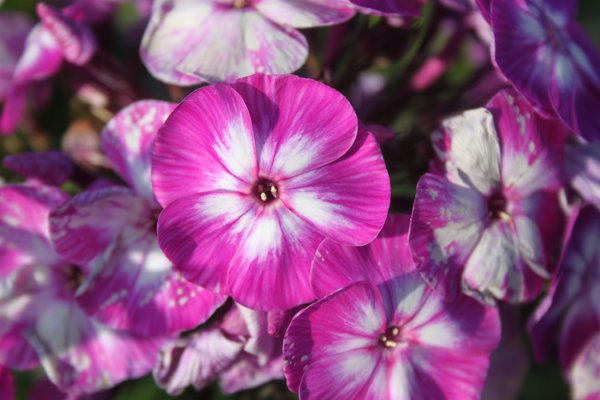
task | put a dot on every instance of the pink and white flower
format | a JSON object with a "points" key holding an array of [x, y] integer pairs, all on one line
{"points": [[253, 176], [237, 350], [544, 53], [221, 40], [135, 288], [570, 316], [485, 226], [41, 319], [387, 336], [61, 35]]}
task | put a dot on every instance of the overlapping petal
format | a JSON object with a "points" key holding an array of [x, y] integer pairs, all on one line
{"points": [[219, 153], [48, 167], [305, 13], [199, 30], [127, 142]]}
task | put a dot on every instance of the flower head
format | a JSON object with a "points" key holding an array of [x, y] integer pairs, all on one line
{"points": [[387, 336], [253, 176], [483, 226]]}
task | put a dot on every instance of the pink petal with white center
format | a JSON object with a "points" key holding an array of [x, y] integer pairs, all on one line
{"points": [[195, 360], [230, 243], [336, 266], [336, 334], [41, 59], [137, 291], [299, 124], [305, 13], [347, 200], [85, 228], [24, 233], [80, 355], [575, 88], [246, 373], [503, 264], [446, 224], [48, 167], [198, 31], [127, 141], [472, 157], [14, 28], [7, 388], [219, 152], [584, 374], [392, 7], [583, 170], [76, 41], [531, 146]]}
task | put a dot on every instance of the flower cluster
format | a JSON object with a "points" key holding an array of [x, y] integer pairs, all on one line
{"points": [[373, 227]]}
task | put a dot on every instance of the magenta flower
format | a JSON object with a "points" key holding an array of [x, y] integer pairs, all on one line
{"points": [[570, 316], [542, 51], [14, 28], [387, 336], [41, 320], [61, 35], [237, 350], [221, 40], [254, 176], [483, 226], [136, 289]]}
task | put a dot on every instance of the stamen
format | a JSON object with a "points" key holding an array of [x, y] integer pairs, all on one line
{"points": [[390, 338], [265, 190], [496, 205], [239, 3]]}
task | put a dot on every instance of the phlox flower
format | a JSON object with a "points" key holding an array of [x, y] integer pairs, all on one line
{"points": [[61, 35], [134, 287], [385, 334], [236, 349], [188, 42], [485, 226], [41, 319], [570, 315], [540, 48], [254, 175]]}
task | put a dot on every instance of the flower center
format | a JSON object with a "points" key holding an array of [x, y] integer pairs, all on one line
{"points": [[74, 276], [240, 3], [265, 191], [496, 204], [390, 338]]}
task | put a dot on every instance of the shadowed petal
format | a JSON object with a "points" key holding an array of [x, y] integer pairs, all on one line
{"points": [[306, 13]]}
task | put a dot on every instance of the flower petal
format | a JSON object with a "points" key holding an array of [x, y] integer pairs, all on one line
{"points": [[337, 332], [498, 267], [306, 13], [85, 228], [49, 167], [195, 360], [127, 141], [299, 124], [336, 266], [392, 7], [472, 156], [80, 355], [7, 388], [531, 146], [446, 224], [584, 374], [219, 152], [137, 291], [347, 200]]}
